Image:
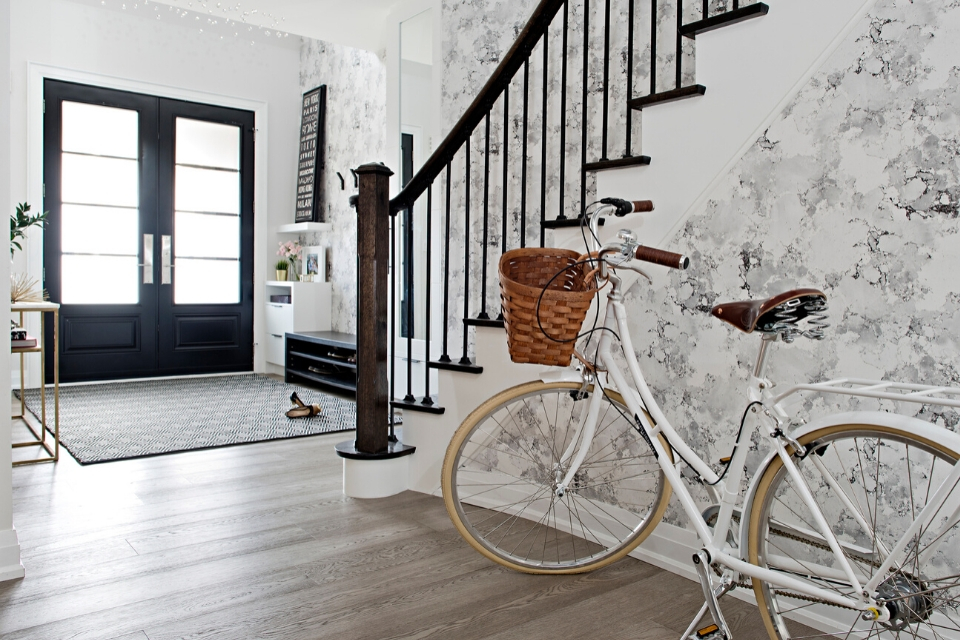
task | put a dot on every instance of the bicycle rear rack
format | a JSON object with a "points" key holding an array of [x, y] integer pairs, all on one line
{"points": [[881, 390]]}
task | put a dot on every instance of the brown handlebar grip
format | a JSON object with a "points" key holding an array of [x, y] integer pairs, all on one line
{"points": [[642, 205], [663, 258]]}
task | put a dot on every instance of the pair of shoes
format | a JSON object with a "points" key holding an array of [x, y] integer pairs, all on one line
{"points": [[301, 410]]}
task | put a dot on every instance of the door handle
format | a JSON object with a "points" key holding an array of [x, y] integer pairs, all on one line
{"points": [[147, 258], [166, 251]]}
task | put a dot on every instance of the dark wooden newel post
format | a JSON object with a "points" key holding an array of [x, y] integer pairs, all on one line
{"points": [[373, 293], [373, 257]]}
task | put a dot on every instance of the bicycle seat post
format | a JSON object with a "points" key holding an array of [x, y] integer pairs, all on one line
{"points": [[760, 368]]}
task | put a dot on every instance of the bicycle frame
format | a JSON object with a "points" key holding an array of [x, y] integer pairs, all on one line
{"points": [[725, 490]]}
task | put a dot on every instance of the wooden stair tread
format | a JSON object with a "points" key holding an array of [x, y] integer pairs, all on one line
{"points": [[617, 163], [417, 405], [563, 223], [496, 323], [667, 96], [455, 366], [724, 19]]}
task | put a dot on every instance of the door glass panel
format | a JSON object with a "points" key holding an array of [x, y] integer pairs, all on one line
{"points": [[95, 180], [206, 241], [99, 131], [212, 190], [99, 280], [99, 230], [207, 144], [207, 236], [207, 281], [100, 198]]}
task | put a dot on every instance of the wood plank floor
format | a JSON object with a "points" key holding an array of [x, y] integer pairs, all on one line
{"points": [[257, 541]]}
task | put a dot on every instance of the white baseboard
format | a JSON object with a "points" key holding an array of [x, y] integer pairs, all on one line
{"points": [[10, 566]]}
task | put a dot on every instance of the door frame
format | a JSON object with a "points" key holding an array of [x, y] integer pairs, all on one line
{"points": [[33, 251]]}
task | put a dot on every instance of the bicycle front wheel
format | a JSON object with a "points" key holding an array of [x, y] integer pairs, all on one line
{"points": [[870, 482], [503, 466]]}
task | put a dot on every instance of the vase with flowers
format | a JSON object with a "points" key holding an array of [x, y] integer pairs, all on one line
{"points": [[291, 251]]}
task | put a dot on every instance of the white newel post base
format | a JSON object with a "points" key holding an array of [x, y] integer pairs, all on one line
{"points": [[10, 566], [375, 478]]}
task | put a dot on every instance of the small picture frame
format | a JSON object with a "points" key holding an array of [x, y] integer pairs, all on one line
{"points": [[315, 263]]}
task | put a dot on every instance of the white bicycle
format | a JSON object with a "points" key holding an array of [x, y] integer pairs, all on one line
{"points": [[852, 520]]}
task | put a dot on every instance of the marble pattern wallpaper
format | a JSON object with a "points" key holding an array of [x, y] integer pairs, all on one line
{"points": [[854, 190], [355, 133], [476, 35]]}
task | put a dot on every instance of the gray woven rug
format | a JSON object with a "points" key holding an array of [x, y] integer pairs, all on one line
{"points": [[118, 421]]}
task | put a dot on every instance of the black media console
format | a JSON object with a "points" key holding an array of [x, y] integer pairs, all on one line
{"points": [[322, 357]]}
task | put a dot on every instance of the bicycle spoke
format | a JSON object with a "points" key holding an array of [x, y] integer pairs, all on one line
{"points": [[876, 499], [516, 448]]}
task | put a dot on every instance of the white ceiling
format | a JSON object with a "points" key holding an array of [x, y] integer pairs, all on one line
{"points": [[355, 23]]}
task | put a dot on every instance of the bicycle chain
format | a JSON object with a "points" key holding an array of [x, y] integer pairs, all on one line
{"points": [[749, 585]]}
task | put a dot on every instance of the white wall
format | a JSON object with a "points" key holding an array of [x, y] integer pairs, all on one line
{"points": [[10, 566], [401, 12], [133, 49], [355, 134]]}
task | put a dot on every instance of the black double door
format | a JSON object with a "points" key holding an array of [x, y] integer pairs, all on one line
{"points": [[149, 241]]}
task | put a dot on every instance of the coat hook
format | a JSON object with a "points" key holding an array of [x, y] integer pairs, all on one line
{"points": [[356, 179], [343, 185]]}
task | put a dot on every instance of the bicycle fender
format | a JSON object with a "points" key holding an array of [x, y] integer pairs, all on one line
{"points": [[561, 375], [921, 428]]}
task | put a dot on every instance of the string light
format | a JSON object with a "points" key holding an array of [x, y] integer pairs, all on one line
{"points": [[231, 14]]}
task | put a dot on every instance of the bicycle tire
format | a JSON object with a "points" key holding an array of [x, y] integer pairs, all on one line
{"points": [[782, 536], [619, 494]]}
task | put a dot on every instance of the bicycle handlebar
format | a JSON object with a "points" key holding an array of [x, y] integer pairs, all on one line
{"points": [[662, 258], [623, 207]]}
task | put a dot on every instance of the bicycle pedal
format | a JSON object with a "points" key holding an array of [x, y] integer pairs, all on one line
{"points": [[710, 632]]}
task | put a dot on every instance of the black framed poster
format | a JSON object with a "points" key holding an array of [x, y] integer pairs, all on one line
{"points": [[310, 167]]}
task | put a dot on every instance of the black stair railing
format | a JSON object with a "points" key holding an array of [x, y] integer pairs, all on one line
{"points": [[469, 205]]}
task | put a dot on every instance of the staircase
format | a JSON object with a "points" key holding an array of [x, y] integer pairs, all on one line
{"points": [[524, 159]]}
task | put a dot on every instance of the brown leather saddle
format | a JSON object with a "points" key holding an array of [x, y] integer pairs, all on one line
{"points": [[779, 314]]}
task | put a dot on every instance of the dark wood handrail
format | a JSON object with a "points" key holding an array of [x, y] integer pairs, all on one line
{"points": [[535, 28]]}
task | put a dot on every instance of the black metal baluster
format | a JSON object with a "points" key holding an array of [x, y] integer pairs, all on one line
{"points": [[563, 114], [395, 284], [466, 255], [629, 150], [653, 48], [445, 356], [679, 43], [486, 219], [427, 400], [505, 159], [736, 4], [706, 10], [523, 169], [606, 78], [409, 282], [584, 107], [543, 143]]}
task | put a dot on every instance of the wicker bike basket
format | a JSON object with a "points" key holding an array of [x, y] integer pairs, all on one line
{"points": [[524, 273]]}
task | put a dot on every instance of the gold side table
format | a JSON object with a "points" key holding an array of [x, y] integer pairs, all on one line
{"points": [[43, 308]]}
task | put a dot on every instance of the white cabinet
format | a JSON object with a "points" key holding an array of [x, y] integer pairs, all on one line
{"points": [[293, 307]]}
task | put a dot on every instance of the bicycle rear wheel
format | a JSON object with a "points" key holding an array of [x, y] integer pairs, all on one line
{"points": [[503, 466], [874, 482]]}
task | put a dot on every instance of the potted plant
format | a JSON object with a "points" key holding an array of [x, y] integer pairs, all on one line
{"points": [[22, 285], [20, 222], [281, 270]]}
